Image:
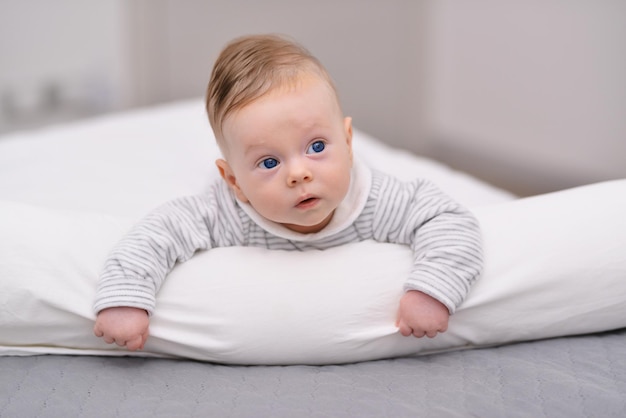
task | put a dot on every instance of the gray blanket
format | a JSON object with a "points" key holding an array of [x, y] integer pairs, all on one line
{"points": [[583, 376]]}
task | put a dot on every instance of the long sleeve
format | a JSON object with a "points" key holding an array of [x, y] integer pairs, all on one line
{"points": [[444, 236], [138, 265]]}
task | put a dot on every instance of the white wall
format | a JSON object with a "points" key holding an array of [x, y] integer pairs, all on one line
{"points": [[61, 59], [529, 93], [370, 47]]}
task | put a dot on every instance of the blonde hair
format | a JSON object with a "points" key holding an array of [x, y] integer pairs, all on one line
{"points": [[250, 67]]}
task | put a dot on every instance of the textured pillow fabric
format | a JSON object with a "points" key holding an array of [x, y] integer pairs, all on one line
{"points": [[555, 265]]}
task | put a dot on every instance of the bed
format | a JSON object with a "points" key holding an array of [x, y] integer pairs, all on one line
{"points": [[541, 334]]}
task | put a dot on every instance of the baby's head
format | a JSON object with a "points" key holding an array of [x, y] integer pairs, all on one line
{"points": [[251, 66], [277, 119]]}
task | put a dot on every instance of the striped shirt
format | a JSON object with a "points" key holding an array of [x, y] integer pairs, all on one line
{"points": [[443, 235]]}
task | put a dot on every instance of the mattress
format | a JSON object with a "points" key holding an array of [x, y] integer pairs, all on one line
{"points": [[61, 168]]}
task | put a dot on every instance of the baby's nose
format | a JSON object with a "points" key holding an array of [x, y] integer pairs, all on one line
{"points": [[299, 173]]}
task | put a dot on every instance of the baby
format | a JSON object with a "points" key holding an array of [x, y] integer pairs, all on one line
{"points": [[291, 182]]}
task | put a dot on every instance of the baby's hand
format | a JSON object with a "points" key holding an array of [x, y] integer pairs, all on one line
{"points": [[123, 326], [420, 315]]}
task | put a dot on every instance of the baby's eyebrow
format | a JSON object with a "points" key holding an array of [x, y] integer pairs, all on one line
{"points": [[256, 149]]}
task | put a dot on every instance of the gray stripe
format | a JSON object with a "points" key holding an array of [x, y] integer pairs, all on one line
{"points": [[444, 236]]}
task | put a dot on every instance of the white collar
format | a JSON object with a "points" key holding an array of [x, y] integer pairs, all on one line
{"points": [[345, 214]]}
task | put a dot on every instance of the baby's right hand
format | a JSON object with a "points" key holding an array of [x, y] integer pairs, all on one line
{"points": [[124, 326]]}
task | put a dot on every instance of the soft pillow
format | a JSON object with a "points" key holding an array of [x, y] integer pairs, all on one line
{"points": [[555, 265], [129, 163]]}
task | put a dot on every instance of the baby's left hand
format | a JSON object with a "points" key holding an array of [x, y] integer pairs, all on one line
{"points": [[421, 315]]}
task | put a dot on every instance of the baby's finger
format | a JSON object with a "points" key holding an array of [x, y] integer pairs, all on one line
{"points": [[108, 339], [404, 329], [418, 333], [431, 334], [136, 343], [97, 332]]}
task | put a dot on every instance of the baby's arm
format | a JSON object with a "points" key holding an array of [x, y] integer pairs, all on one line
{"points": [[138, 265], [447, 251]]}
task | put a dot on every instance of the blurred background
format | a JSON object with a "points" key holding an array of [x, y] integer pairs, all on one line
{"points": [[529, 95]]}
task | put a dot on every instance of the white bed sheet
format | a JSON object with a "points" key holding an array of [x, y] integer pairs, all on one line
{"points": [[68, 193]]}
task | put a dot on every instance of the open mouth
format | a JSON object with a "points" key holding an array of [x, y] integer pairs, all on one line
{"points": [[308, 202]]}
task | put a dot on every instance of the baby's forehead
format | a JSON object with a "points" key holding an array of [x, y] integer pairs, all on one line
{"points": [[318, 93], [307, 102], [298, 78], [303, 82]]}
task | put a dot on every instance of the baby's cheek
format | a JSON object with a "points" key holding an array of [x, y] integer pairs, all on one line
{"points": [[269, 206]]}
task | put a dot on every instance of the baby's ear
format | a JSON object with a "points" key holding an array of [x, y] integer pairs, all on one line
{"points": [[229, 177], [347, 125]]}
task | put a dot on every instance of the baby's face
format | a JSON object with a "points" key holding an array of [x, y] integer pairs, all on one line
{"points": [[289, 155]]}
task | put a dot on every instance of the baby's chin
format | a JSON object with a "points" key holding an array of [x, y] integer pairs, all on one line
{"points": [[309, 229]]}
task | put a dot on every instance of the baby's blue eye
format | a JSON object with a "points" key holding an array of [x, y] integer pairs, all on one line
{"points": [[268, 163], [316, 147]]}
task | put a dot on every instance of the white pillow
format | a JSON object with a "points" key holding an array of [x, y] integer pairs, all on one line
{"points": [[555, 265], [127, 164]]}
